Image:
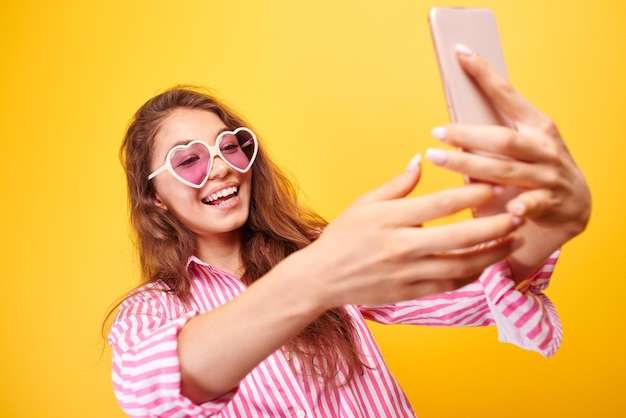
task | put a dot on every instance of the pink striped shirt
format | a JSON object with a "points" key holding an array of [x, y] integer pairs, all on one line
{"points": [[146, 373]]}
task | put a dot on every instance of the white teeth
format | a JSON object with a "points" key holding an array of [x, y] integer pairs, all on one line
{"points": [[222, 193], [224, 202]]}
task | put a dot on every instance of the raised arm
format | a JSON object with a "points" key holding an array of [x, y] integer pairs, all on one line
{"points": [[365, 255], [375, 252], [523, 314], [555, 197]]}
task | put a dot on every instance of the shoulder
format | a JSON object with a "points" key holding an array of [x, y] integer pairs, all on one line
{"points": [[154, 299], [147, 307]]}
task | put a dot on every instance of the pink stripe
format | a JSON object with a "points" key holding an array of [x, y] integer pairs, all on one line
{"points": [[160, 386], [174, 407], [497, 289], [449, 313], [136, 379], [528, 314], [554, 332], [551, 261], [480, 316], [381, 379], [268, 387], [454, 295], [492, 272], [482, 322], [515, 304], [458, 317], [548, 339], [156, 357], [150, 373], [411, 313], [532, 334], [243, 402], [380, 314]]}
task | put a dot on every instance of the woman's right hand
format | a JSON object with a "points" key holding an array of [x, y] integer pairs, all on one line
{"points": [[377, 251]]}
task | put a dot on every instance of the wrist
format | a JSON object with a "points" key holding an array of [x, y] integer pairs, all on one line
{"points": [[298, 279]]}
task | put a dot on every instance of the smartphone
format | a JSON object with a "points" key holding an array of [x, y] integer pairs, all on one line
{"points": [[477, 29]]}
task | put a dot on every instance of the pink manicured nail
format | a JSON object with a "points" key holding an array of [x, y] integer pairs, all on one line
{"points": [[517, 221], [437, 156], [464, 49], [498, 190], [439, 132], [414, 163], [517, 208]]}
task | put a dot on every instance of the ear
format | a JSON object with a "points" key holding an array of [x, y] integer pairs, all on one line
{"points": [[158, 202]]}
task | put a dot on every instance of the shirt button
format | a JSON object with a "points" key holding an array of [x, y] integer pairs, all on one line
{"points": [[301, 413]]}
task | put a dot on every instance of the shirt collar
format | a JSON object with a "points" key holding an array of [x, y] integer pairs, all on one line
{"points": [[195, 260]]}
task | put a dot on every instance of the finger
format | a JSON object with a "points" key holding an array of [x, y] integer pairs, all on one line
{"points": [[398, 186], [418, 210], [433, 287], [463, 236], [494, 140], [459, 266], [498, 89], [492, 170], [446, 272], [532, 203]]}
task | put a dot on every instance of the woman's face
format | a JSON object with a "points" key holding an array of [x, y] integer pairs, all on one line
{"points": [[221, 205]]}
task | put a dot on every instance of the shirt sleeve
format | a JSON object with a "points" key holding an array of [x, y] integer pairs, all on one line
{"points": [[146, 369], [523, 314]]}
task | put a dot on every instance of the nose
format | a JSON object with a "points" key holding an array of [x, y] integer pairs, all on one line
{"points": [[219, 168]]}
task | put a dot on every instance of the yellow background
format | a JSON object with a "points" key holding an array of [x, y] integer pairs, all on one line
{"points": [[344, 92]]}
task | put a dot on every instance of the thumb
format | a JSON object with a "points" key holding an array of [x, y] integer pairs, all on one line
{"points": [[397, 187], [532, 204]]}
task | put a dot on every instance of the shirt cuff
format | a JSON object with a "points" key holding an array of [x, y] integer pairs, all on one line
{"points": [[523, 315]]}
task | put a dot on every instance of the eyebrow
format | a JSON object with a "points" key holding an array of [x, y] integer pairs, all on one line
{"points": [[186, 141]]}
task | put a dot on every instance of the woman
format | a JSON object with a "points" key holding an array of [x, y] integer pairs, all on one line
{"points": [[253, 306]]}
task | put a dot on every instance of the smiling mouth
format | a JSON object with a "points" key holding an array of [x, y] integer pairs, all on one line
{"points": [[222, 197]]}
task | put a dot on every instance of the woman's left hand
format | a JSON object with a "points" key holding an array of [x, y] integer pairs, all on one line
{"points": [[554, 195]]}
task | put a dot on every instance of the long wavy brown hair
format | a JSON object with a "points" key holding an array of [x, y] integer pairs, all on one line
{"points": [[276, 227]]}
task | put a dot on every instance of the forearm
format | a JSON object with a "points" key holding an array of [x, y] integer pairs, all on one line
{"points": [[219, 348]]}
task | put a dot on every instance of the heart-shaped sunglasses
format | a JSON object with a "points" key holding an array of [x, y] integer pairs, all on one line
{"points": [[191, 163]]}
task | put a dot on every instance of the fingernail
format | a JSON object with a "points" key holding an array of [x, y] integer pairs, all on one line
{"points": [[414, 163], [439, 132], [516, 208], [437, 156], [464, 50], [498, 190], [517, 221]]}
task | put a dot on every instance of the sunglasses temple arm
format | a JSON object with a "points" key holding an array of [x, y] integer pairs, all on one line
{"points": [[157, 172]]}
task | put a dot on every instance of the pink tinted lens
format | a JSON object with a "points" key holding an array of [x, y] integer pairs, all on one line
{"points": [[192, 163], [238, 149]]}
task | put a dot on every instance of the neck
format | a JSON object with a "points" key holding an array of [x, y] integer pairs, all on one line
{"points": [[222, 251]]}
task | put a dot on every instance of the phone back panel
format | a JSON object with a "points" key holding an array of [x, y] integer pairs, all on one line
{"points": [[477, 29]]}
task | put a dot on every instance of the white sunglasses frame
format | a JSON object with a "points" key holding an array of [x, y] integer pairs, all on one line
{"points": [[214, 151]]}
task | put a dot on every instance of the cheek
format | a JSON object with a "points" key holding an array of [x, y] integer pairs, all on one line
{"points": [[171, 196], [245, 189]]}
